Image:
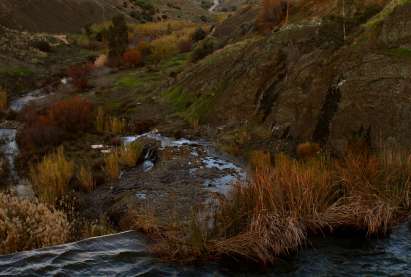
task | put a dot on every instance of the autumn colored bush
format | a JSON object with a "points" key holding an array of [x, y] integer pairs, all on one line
{"points": [[79, 74], [28, 224], [49, 127], [39, 132], [72, 115], [133, 57]]}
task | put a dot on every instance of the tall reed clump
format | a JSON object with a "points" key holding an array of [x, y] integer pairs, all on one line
{"points": [[109, 124], [112, 165], [115, 125], [282, 206], [3, 100], [130, 154], [125, 157], [51, 177], [272, 215], [26, 225]]}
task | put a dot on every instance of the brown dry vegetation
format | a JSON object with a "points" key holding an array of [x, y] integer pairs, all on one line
{"points": [[27, 225], [277, 212]]}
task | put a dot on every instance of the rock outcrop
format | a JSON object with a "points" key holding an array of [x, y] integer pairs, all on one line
{"points": [[307, 82]]}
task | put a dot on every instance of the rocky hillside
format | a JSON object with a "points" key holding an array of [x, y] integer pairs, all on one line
{"points": [[53, 15], [323, 78]]}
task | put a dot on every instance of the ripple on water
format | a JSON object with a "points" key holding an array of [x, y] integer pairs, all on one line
{"points": [[125, 254]]}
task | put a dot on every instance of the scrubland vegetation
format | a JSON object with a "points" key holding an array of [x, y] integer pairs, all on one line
{"points": [[282, 206], [287, 200]]}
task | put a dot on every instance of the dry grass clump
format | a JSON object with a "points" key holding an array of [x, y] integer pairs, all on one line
{"points": [[3, 100], [130, 154], [86, 179], [112, 165], [277, 212], [115, 125], [109, 124], [125, 157], [51, 177], [26, 225]]}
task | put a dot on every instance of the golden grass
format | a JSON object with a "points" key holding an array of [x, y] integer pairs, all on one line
{"points": [[168, 45], [3, 100], [130, 154], [161, 28], [51, 177], [109, 124], [86, 179], [112, 165], [26, 225], [115, 125]]}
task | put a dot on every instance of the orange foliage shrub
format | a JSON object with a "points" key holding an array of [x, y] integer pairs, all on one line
{"points": [[133, 57], [50, 127], [72, 115]]}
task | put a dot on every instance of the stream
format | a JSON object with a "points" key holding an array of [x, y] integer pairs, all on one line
{"points": [[214, 6], [125, 254]]}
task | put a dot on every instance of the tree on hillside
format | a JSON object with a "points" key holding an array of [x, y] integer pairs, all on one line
{"points": [[117, 38]]}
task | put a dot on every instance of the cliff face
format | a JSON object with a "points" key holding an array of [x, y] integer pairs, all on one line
{"points": [[305, 83]]}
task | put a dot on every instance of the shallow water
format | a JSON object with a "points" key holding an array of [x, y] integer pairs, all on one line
{"points": [[18, 104], [10, 149], [125, 254]]}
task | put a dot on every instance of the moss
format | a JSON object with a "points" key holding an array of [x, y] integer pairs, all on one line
{"points": [[190, 106], [175, 63], [399, 52], [136, 80], [16, 71]]}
